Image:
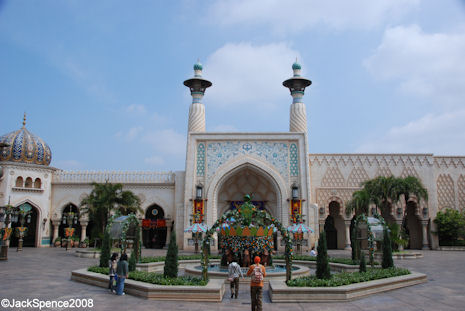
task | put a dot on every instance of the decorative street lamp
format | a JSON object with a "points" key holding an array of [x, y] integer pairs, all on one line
{"points": [[71, 219], [24, 215], [5, 233]]}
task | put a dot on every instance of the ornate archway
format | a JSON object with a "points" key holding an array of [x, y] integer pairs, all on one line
{"points": [[154, 227], [31, 239]]}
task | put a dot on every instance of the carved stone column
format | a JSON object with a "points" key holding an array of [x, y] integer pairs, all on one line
{"points": [[56, 225], [348, 245], [424, 226], [83, 229]]}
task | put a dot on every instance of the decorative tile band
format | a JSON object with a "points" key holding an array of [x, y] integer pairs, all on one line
{"points": [[200, 160], [293, 160]]}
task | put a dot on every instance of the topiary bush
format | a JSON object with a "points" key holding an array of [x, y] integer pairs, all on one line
{"points": [[105, 252], [171, 261], [322, 260], [387, 251], [363, 264]]}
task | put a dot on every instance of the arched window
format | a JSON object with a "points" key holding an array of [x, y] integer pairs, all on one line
{"points": [[37, 183], [19, 182], [28, 183]]}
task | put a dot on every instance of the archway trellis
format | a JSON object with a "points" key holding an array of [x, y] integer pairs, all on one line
{"points": [[247, 214], [362, 218], [130, 219]]}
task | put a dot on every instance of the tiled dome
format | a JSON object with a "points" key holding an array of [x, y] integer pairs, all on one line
{"points": [[25, 147]]}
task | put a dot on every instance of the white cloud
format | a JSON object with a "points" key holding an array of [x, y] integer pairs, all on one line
{"points": [[167, 142], [155, 160], [438, 134], [249, 76], [135, 108], [427, 65], [296, 15], [131, 134]]}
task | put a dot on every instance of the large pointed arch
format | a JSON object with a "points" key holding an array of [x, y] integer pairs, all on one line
{"points": [[37, 222], [230, 168]]}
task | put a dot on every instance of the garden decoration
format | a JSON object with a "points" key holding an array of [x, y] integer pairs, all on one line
{"points": [[252, 228], [24, 212], [374, 227], [125, 229], [196, 229], [6, 212], [298, 230]]}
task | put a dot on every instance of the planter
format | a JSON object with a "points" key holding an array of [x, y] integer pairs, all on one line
{"points": [[452, 248], [57, 243]]}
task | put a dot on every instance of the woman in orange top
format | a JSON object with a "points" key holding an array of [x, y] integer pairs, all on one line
{"points": [[258, 272]]}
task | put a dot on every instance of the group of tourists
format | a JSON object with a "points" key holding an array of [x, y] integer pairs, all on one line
{"points": [[119, 270], [257, 272]]}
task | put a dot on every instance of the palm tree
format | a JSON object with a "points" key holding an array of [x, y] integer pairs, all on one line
{"points": [[411, 185], [106, 198], [359, 203], [384, 192]]}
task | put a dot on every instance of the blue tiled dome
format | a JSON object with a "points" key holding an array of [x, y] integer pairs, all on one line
{"points": [[25, 147]]}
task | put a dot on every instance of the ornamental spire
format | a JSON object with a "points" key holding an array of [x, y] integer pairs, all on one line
{"points": [[24, 120]]}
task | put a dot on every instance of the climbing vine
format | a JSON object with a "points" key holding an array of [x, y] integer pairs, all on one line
{"points": [[371, 240]]}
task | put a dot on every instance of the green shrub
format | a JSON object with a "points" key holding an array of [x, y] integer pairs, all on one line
{"points": [[180, 257], [106, 250], [451, 226], [171, 262], [387, 251], [363, 264], [322, 262], [345, 261], [347, 278], [155, 278]]}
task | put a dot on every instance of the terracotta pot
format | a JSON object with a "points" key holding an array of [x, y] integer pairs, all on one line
{"points": [[64, 243], [57, 243]]}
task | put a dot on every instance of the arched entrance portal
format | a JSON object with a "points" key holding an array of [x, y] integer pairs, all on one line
{"points": [[248, 180], [154, 227], [30, 222], [70, 208], [335, 227], [412, 226]]}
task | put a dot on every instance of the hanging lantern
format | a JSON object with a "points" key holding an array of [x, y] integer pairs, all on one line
{"points": [[28, 218], [64, 220], [75, 220]]}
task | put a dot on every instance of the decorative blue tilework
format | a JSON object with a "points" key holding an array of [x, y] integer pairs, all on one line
{"points": [[201, 160], [275, 153], [18, 146], [293, 160]]}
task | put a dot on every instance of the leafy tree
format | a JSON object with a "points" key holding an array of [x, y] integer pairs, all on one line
{"points": [[363, 264], [387, 251], [411, 185], [105, 199], [105, 251], [322, 260], [383, 191], [451, 226], [398, 236], [171, 260], [359, 203]]}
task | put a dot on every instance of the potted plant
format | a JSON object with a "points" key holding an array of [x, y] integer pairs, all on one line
{"points": [[75, 241], [57, 242], [84, 243]]}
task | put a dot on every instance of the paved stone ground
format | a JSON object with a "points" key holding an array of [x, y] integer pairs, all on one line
{"points": [[45, 274]]}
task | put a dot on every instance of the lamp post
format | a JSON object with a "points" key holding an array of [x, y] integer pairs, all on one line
{"points": [[69, 218], [5, 233], [24, 214]]}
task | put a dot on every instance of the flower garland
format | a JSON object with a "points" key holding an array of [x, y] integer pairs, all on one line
{"points": [[246, 215]]}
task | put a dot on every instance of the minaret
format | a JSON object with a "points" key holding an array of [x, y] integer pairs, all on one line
{"points": [[297, 85], [197, 85]]}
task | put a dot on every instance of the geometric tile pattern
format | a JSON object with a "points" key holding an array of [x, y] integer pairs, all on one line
{"points": [[409, 171], [293, 160], [274, 153], [201, 159], [357, 177], [384, 171], [333, 178], [446, 193], [461, 192]]}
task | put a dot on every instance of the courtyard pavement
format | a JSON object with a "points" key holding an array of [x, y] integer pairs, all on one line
{"points": [[44, 273]]}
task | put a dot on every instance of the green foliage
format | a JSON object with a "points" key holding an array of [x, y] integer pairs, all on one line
{"points": [[451, 226], [132, 262], [171, 262], [345, 261], [355, 245], [322, 259], [363, 264], [347, 278], [387, 251], [398, 236], [105, 250], [156, 278], [105, 198], [359, 203]]}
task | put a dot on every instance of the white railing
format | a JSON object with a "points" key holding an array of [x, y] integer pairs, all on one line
{"points": [[113, 177]]}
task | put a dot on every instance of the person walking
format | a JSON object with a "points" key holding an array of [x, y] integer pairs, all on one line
{"points": [[234, 270], [122, 270], [112, 263], [258, 272]]}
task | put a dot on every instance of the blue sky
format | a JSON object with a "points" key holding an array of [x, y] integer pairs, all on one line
{"points": [[101, 81]]}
